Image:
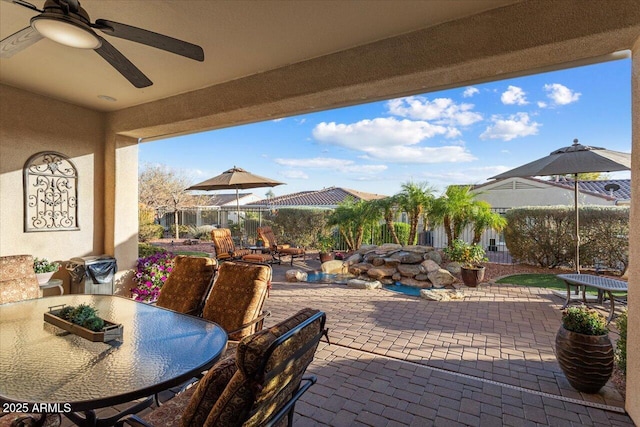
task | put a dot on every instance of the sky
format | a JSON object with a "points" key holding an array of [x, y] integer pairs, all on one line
{"points": [[457, 136]]}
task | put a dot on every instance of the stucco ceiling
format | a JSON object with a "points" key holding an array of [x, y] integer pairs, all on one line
{"points": [[239, 38]]}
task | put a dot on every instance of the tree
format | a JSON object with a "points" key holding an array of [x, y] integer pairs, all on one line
{"points": [[351, 218], [484, 218], [416, 199], [270, 194], [387, 208], [164, 190], [457, 208]]}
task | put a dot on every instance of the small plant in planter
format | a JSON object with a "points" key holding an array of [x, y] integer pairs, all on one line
{"points": [[83, 315], [325, 245], [44, 269], [470, 257], [584, 350]]}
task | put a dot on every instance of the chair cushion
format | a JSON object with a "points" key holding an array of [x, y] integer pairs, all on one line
{"points": [[185, 289], [257, 257], [222, 242], [249, 396], [292, 251], [17, 279], [207, 392], [237, 296], [239, 253]]}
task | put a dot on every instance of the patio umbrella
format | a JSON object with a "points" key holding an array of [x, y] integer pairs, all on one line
{"points": [[235, 178], [574, 159]]}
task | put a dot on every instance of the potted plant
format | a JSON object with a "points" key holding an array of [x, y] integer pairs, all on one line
{"points": [[584, 350], [325, 245], [470, 257], [44, 269]]}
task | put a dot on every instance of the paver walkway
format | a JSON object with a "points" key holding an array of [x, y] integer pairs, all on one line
{"points": [[400, 360]]}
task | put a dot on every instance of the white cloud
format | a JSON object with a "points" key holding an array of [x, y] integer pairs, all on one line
{"points": [[560, 94], [278, 120], [515, 126], [478, 175], [542, 104], [294, 174], [380, 132], [340, 165], [393, 140], [470, 91], [442, 111], [514, 96]]}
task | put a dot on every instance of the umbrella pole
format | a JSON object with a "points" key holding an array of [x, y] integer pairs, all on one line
{"points": [[238, 216], [575, 197]]}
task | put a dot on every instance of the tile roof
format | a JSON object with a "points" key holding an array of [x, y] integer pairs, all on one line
{"points": [[223, 199], [327, 197]]}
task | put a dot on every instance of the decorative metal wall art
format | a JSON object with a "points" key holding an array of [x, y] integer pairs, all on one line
{"points": [[50, 193]]}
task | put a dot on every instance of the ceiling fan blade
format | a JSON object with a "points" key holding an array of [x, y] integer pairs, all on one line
{"points": [[18, 41], [24, 4], [150, 38], [122, 64]]}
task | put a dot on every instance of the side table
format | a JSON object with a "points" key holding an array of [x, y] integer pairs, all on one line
{"points": [[52, 284]]}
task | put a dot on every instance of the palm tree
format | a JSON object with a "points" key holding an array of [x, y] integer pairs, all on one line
{"points": [[388, 208], [351, 218], [416, 199], [484, 218], [457, 208]]}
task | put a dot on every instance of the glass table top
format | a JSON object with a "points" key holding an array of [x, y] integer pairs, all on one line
{"points": [[159, 349]]}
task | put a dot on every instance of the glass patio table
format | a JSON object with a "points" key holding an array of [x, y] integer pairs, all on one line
{"points": [[42, 364]]}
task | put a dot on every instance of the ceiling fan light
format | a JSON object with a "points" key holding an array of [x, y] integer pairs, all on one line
{"points": [[65, 32]]}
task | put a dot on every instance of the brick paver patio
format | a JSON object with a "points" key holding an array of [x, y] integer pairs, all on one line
{"points": [[401, 360], [396, 360]]}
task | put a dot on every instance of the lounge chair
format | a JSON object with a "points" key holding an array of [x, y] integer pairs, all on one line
{"points": [[226, 249], [258, 386], [266, 233], [188, 284]]}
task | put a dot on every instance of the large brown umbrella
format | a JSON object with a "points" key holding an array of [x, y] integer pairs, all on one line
{"points": [[235, 178], [575, 159]]}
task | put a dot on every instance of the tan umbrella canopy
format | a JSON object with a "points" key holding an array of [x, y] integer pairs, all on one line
{"points": [[235, 178], [574, 159]]}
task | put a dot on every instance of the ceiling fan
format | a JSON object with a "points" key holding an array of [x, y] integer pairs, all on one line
{"points": [[66, 22]]}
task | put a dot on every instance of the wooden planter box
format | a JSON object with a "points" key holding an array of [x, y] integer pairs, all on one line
{"points": [[111, 331]]}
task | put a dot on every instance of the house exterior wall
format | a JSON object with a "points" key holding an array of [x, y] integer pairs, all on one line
{"points": [[518, 192], [30, 124]]}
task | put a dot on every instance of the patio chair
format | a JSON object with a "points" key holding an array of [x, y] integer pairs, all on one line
{"points": [[226, 249], [188, 284], [236, 299], [17, 279], [258, 386], [21, 419], [266, 233]]}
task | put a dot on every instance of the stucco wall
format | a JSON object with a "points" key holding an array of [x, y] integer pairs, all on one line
{"points": [[633, 345], [29, 124], [533, 194]]}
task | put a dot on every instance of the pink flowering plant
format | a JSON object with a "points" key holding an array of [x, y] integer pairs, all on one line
{"points": [[151, 273]]}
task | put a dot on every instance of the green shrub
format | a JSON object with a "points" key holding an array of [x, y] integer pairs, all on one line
{"points": [[185, 230], [298, 227], [621, 345], [584, 320], [150, 232], [202, 232], [145, 250], [465, 253], [83, 315], [545, 235], [146, 215], [384, 236]]}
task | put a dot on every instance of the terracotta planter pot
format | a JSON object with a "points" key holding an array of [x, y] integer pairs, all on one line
{"points": [[586, 360], [326, 256], [472, 276]]}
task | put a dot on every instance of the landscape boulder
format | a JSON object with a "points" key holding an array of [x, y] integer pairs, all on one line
{"points": [[364, 284], [409, 270], [434, 256], [441, 278], [441, 294], [381, 272], [428, 265], [334, 267], [295, 276]]}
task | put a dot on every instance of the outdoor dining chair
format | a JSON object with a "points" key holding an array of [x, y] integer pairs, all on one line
{"points": [[17, 279], [226, 249], [188, 284], [236, 299], [258, 386], [266, 233]]}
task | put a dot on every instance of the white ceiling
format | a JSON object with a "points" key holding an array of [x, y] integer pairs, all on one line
{"points": [[239, 38]]}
